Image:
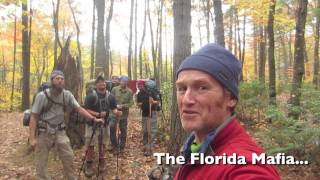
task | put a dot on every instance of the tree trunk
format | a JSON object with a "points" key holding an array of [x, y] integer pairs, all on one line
{"points": [[243, 40], [316, 50], [56, 30], [243, 45], [135, 59], [130, 41], [207, 15], [111, 63], [166, 48], [290, 50], [153, 49], [93, 38], [218, 29], [71, 68], [255, 50], [4, 73], [230, 28], [272, 70], [79, 59], [142, 38], [107, 75], [182, 49], [235, 32], [262, 55], [299, 50], [238, 35], [100, 66], [160, 46], [25, 58], [14, 59], [199, 31], [285, 57], [148, 73]]}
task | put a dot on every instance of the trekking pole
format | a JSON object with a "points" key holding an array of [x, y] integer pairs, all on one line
{"points": [[87, 150], [149, 129], [100, 139], [118, 149]]}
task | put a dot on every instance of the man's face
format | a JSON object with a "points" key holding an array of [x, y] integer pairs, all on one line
{"points": [[141, 87], [123, 84], [203, 102], [101, 85], [58, 82]]}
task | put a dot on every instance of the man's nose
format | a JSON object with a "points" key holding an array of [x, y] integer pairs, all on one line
{"points": [[189, 97]]}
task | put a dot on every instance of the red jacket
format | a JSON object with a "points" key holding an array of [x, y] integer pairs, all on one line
{"points": [[231, 139]]}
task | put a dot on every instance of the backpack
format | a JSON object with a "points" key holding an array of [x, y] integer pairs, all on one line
{"points": [[27, 113], [152, 89], [91, 89]]}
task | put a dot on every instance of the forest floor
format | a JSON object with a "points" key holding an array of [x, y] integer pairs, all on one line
{"points": [[16, 163]]}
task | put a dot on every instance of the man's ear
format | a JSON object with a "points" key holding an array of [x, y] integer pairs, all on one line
{"points": [[233, 102]]}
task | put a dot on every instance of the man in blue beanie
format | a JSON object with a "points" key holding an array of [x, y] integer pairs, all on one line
{"points": [[207, 93], [124, 98]]}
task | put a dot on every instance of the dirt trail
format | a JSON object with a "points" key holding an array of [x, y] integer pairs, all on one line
{"points": [[15, 164]]}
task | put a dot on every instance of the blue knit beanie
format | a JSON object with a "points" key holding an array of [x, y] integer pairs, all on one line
{"points": [[56, 73], [124, 78], [217, 62]]}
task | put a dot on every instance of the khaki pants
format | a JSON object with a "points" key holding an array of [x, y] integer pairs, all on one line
{"points": [[105, 139], [64, 150]]}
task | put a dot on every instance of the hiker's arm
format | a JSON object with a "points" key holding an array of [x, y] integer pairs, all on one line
{"points": [[129, 104], [87, 115], [113, 106], [152, 101], [116, 112], [93, 113], [33, 126]]}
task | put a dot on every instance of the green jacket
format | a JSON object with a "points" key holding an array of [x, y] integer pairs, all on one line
{"points": [[124, 97]]}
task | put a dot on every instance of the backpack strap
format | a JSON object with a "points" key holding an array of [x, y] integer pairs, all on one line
{"points": [[51, 102], [96, 98]]}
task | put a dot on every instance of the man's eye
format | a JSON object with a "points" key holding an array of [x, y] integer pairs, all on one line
{"points": [[181, 89], [203, 88]]}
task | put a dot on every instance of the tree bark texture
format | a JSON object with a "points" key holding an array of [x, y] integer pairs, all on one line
{"points": [[316, 50], [100, 66], [108, 51], [299, 51], [130, 41], [272, 70], [218, 29], [182, 49], [25, 58]]}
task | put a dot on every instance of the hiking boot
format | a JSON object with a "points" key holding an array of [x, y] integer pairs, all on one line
{"points": [[115, 151], [147, 153], [110, 148], [100, 177], [121, 151], [88, 169]]}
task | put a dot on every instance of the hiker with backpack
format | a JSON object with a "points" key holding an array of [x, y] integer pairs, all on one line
{"points": [[148, 102], [99, 102], [124, 98], [47, 126]]}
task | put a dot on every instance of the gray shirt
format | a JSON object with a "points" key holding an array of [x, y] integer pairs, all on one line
{"points": [[55, 115]]}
